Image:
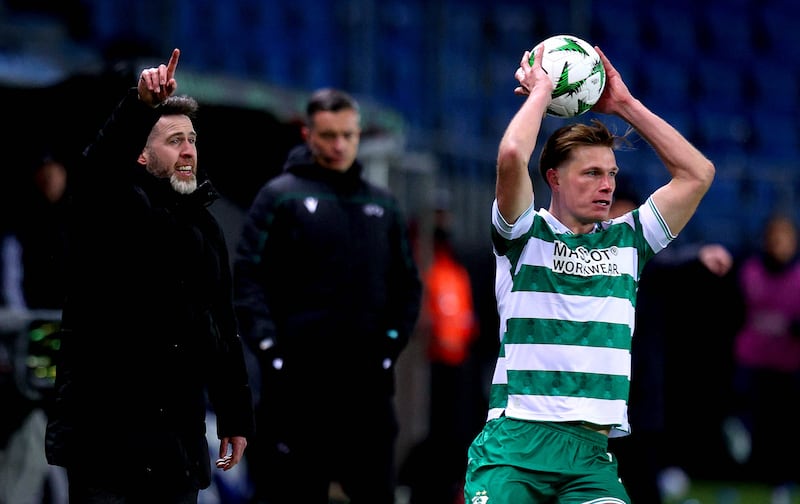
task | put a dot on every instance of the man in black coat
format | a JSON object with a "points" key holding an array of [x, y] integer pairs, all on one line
{"points": [[149, 329], [327, 293]]}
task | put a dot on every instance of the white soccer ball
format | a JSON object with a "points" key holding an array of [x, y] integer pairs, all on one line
{"points": [[576, 71]]}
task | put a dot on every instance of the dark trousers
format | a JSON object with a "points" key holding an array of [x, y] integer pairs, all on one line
{"points": [[85, 490], [294, 457]]}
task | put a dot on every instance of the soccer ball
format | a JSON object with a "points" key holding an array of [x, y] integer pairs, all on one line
{"points": [[577, 74]]}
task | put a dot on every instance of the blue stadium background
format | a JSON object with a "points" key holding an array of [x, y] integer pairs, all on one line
{"points": [[724, 72]]}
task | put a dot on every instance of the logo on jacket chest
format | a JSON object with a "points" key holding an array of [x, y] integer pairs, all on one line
{"points": [[373, 210], [311, 204]]}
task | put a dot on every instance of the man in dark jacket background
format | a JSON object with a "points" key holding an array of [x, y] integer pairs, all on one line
{"points": [[149, 328], [327, 294]]}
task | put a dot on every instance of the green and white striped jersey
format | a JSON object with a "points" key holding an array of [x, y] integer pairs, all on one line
{"points": [[566, 304]]}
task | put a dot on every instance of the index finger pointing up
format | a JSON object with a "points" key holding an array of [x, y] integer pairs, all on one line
{"points": [[173, 63]]}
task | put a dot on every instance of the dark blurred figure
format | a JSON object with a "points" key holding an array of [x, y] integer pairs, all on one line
{"points": [[452, 330], [644, 455], [433, 470], [34, 255], [42, 234], [767, 357]]}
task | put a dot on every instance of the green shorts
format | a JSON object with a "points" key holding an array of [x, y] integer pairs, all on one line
{"points": [[524, 462]]}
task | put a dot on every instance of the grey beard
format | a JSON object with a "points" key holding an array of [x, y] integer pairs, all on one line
{"points": [[183, 186]]}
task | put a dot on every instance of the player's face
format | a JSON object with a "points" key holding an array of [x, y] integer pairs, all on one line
{"points": [[586, 184], [333, 138], [171, 152]]}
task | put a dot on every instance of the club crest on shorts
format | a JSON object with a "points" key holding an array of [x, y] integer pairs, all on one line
{"points": [[480, 497]]}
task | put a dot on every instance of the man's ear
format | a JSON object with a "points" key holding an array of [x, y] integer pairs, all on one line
{"points": [[305, 131], [552, 177], [142, 159]]}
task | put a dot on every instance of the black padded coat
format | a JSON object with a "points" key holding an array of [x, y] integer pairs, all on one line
{"points": [[326, 282], [149, 328]]}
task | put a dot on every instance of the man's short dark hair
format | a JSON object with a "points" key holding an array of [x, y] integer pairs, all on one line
{"points": [[330, 100], [559, 145], [179, 105]]}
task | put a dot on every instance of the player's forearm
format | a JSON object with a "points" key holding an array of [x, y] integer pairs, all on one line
{"points": [[514, 188]]}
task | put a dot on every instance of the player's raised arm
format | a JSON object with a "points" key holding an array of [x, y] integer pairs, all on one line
{"points": [[692, 173], [514, 187]]}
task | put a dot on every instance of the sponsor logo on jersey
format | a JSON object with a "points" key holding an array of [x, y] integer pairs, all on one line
{"points": [[585, 262]]}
